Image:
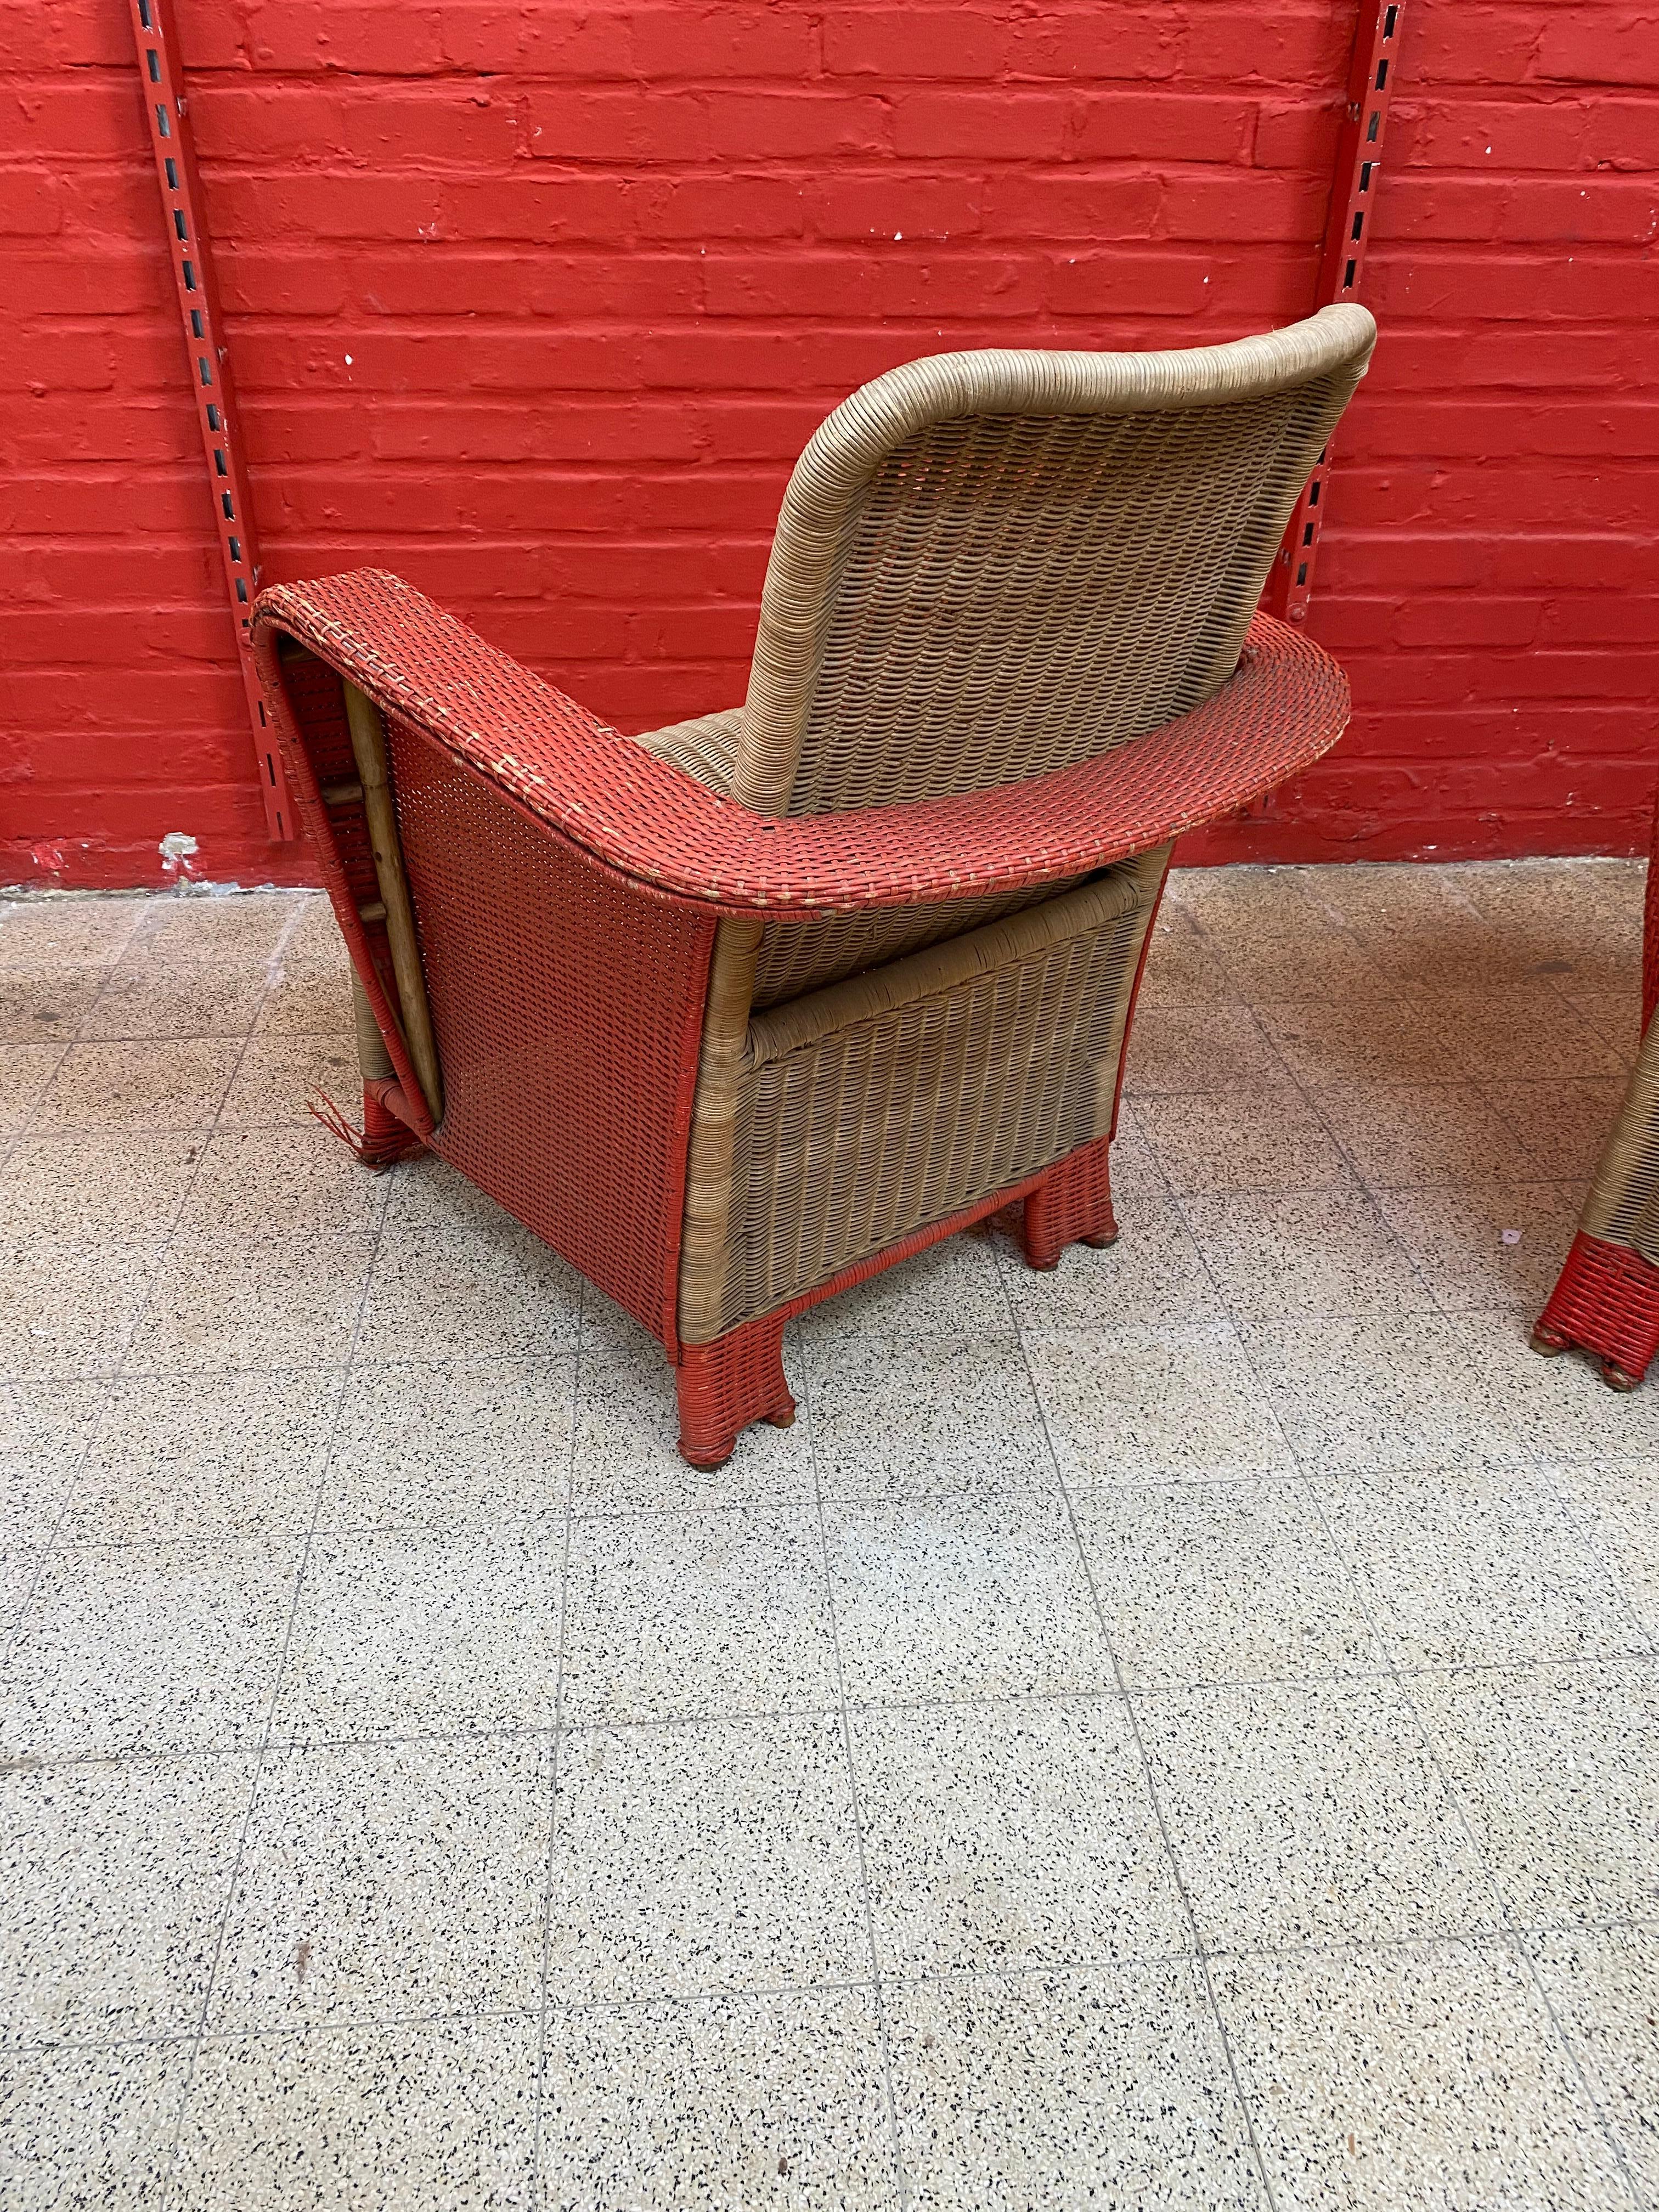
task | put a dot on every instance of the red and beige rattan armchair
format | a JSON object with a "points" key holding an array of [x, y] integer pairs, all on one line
{"points": [[737, 1013], [1607, 1300]]}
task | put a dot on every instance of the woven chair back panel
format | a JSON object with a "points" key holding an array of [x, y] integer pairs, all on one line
{"points": [[568, 1014], [1015, 593], [941, 1093]]}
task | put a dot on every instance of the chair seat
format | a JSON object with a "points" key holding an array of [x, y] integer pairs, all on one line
{"points": [[800, 956]]}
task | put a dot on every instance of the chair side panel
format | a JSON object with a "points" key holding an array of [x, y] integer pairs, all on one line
{"points": [[568, 1014], [896, 1111]]}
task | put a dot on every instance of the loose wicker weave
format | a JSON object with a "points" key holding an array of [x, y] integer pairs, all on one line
{"points": [[1607, 1300], [739, 1012]]}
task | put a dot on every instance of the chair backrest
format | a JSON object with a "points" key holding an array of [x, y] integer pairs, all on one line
{"points": [[988, 565]]}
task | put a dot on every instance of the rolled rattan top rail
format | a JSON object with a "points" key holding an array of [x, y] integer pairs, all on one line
{"points": [[642, 819]]}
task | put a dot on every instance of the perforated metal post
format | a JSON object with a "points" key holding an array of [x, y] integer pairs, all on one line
{"points": [[1354, 183], [167, 116]]}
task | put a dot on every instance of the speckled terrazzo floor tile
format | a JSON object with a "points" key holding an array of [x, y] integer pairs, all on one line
{"points": [[1304, 1253], [58, 932], [427, 1193], [89, 2131], [1558, 1771], [1554, 905], [1250, 1136], [424, 2116], [71, 1304], [405, 1634], [1009, 1835], [1575, 1417], [285, 1300], [1422, 1135], [1616, 1504], [1422, 1391], [949, 1290], [1561, 1128], [717, 2102], [1489, 1246], [710, 1855], [1408, 2078], [113, 1881], [378, 1879], [20, 1566], [1138, 1181], [1478, 1567], [1182, 971], [240, 932], [1310, 1815], [1153, 1405], [143, 997], [962, 1597], [37, 1005], [481, 1295], [129, 1184], [45, 1430], [204, 1456], [1305, 963], [1527, 1033], [625, 1459], [281, 1183], [1151, 1277], [678, 1615], [1615, 1015], [1219, 1582], [154, 1647], [1242, 900], [308, 995], [1348, 1041], [279, 1076], [451, 1448], [25, 1072], [160, 1083], [1604, 1988], [1039, 2092], [1183, 1050], [915, 1416]]}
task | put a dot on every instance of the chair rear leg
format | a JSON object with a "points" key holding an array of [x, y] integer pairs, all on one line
{"points": [[724, 1386], [1605, 1303], [1072, 1205]]}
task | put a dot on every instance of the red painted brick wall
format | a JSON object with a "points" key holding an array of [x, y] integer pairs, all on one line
{"points": [[535, 303]]}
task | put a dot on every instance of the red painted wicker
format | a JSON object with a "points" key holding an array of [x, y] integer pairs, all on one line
{"points": [[1607, 1300], [557, 928]]}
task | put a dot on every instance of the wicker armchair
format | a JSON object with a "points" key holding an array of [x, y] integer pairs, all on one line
{"points": [[1606, 1301], [739, 1012]]}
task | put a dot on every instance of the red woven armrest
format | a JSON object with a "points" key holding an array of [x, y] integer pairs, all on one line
{"points": [[644, 819]]}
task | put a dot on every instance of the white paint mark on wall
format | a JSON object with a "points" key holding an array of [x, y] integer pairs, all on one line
{"points": [[175, 849]]}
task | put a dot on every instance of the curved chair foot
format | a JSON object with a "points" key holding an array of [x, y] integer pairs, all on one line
{"points": [[1071, 1205], [1619, 1378], [1099, 1243], [724, 1386], [1549, 1343]]}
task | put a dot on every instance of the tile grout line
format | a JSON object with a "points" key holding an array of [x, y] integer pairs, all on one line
{"points": [[903, 2186], [1454, 1795], [115, 1374], [1171, 1860], [555, 1753], [263, 1750]]}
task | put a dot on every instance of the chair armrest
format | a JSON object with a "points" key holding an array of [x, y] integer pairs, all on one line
{"points": [[641, 818]]}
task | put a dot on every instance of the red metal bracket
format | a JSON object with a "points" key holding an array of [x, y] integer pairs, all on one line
{"points": [[1354, 183], [168, 114]]}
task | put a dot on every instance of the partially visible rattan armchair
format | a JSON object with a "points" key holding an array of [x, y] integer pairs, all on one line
{"points": [[1607, 1300], [739, 1012]]}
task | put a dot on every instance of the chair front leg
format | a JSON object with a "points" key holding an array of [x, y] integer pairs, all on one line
{"points": [[1072, 1205], [724, 1386]]}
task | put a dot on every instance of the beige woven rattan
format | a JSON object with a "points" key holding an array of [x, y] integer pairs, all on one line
{"points": [[988, 566], [738, 1012]]}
